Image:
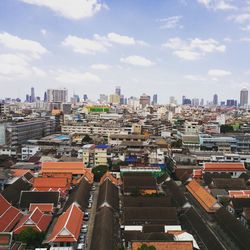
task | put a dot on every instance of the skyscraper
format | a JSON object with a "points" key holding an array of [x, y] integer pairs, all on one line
{"points": [[215, 100], [45, 99], [32, 96], [144, 100], [244, 97], [155, 99], [57, 95], [118, 90]]}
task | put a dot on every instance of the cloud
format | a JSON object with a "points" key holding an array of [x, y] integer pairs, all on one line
{"points": [[32, 48], [75, 77], [44, 32], [74, 9], [100, 66], [83, 45], [99, 43], [170, 22], [239, 18], [137, 61], [15, 66], [194, 77], [215, 5], [246, 28], [219, 73], [193, 49]]}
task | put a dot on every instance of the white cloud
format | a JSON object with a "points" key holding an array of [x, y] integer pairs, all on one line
{"points": [[170, 22], [194, 77], [75, 77], [246, 28], [219, 73], [44, 32], [245, 39], [83, 45], [74, 9], [100, 66], [215, 5], [137, 61], [15, 66], [99, 43], [193, 49], [32, 48], [240, 18]]}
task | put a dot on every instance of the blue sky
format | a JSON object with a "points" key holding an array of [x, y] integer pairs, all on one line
{"points": [[170, 47]]}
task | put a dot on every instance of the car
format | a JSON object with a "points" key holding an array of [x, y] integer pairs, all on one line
{"points": [[80, 246], [84, 230], [90, 205], [93, 188]]}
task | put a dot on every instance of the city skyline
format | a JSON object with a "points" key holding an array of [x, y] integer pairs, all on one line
{"points": [[172, 49]]}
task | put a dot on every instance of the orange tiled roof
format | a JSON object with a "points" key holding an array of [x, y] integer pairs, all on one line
{"points": [[67, 228], [38, 220], [206, 200], [53, 182], [73, 168], [19, 172], [224, 166], [239, 193], [9, 215], [173, 245], [44, 207], [109, 176]]}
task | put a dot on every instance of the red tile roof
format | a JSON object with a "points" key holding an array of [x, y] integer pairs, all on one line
{"points": [[44, 207], [109, 176], [38, 220], [239, 193], [68, 226], [74, 168], [9, 215], [43, 182], [207, 201], [224, 166]]}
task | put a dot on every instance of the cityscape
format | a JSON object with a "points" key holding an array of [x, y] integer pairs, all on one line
{"points": [[124, 125]]}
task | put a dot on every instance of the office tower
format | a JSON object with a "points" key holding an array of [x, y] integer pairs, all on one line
{"points": [[85, 97], [155, 99], [66, 108], [103, 99], [57, 95], [45, 99], [77, 98], [144, 100], [172, 100], [122, 99], [195, 102], [133, 102], [118, 90], [27, 98], [183, 100], [32, 96], [244, 98], [186, 101], [215, 100], [114, 99], [231, 103], [202, 102]]}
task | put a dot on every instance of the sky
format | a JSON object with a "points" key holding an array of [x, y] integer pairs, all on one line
{"points": [[194, 48]]}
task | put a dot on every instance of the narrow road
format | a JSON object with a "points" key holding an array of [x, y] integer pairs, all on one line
{"points": [[92, 213]]}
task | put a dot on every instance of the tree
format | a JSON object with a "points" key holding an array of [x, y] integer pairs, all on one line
{"points": [[87, 139], [31, 237], [226, 129], [146, 247], [176, 144], [99, 171]]}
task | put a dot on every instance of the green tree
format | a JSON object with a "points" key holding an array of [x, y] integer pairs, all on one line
{"points": [[226, 128], [31, 237], [146, 247], [99, 171], [176, 144], [87, 139]]}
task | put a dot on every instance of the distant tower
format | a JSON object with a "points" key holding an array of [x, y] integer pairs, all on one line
{"points": [[32, 96], [244, 97], [118, 90], [215, 100], [155, 99], [45, 99]]}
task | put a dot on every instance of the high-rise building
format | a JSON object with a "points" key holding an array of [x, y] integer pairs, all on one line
{"points": [[144, 100], [215, 100], [195, 102], [103, 99], [27, 98], [155, 99], [85, 97], [32, 96], [57, 95], [183, 100], [231, 103], [172, 100], [202, 102], [114, 99], [118, 90], [45, 99], [244, 98]]}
